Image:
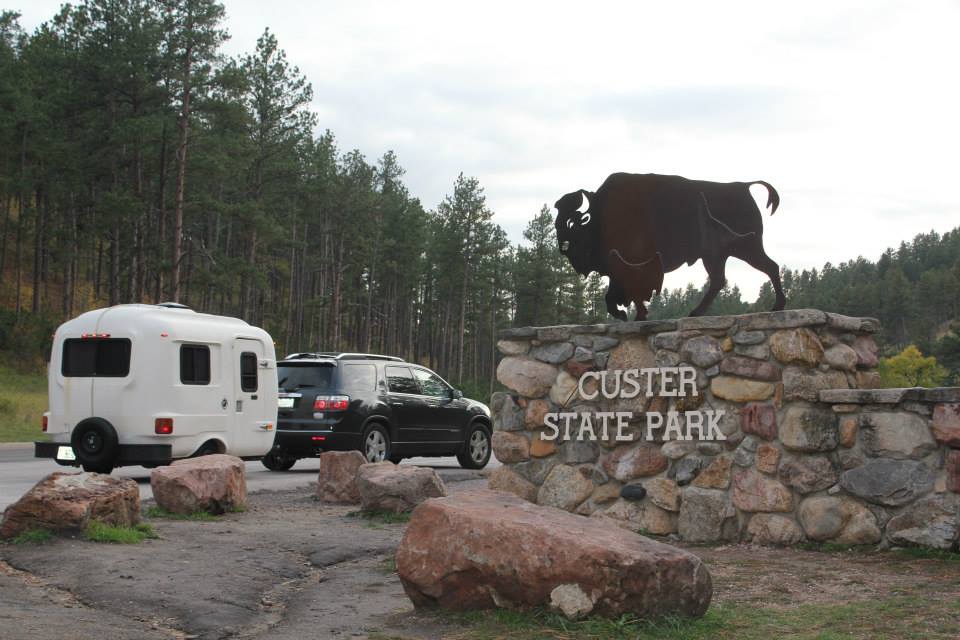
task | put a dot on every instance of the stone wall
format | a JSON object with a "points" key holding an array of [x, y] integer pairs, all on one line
{"points": [[812, 450]]}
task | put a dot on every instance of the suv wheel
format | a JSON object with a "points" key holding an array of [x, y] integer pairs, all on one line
{"points": [[276, 461], [376, 444], [476, 448]]}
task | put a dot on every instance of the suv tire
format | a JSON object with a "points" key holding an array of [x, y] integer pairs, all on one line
{"points": [[276, 461], [476, 448], [376, 444], [96, 445]]}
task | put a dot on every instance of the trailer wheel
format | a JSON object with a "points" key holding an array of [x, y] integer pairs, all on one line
{"points": [[96, 445]]}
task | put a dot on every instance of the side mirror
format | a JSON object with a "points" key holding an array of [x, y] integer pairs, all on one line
{"points": [[457, 394]]}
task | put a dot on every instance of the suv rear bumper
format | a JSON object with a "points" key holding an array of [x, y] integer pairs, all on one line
{"points": [[311, 443], [128, 454]]}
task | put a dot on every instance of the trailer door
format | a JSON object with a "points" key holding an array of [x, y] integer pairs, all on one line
{"points": [[255, 397]]}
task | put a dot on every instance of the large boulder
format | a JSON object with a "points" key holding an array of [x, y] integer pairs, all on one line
{"points": [[69, 501], [215, 483], [337, 480], [486, 549], [385, 486], [895, 435]]}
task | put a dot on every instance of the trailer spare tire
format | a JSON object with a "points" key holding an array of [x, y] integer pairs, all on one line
{"points": [[95, 444]]}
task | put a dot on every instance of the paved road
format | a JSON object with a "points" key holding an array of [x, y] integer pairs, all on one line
{"points": [[19, 471]]}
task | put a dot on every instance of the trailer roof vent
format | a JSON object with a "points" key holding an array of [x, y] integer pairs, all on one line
{"points": [[172, 305]]}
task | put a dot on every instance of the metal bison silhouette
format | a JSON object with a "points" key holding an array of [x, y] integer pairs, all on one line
{"points": [[637, 227]]}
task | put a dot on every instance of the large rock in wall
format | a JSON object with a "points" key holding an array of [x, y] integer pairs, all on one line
{"points": [[812, 451]]}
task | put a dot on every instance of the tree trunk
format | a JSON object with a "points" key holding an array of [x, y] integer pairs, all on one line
{"points": [[183, 125]]}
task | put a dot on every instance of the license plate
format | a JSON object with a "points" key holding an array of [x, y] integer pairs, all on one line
{"points": [[285, 403], [66, 453]]}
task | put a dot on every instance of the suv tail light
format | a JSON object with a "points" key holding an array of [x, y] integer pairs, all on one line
{"points": [[331, 403], [163, 426], [43, 423]]}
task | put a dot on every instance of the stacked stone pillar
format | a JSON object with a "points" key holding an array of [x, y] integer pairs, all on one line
{"points": [[812, 451]]}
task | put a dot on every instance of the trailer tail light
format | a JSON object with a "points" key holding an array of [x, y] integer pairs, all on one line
{"points": [[318, 438], [43, 423], [163, 426], [331, 403]]}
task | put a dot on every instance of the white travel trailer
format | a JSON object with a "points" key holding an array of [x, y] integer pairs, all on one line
{"points": [[142, 384]]}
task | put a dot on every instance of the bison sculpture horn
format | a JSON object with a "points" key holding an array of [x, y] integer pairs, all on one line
{"points": [[637, 227]]}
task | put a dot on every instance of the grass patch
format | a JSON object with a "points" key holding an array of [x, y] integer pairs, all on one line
{"points": [[23, 399], [33, 536], [376, 519], [892, 618], [101, 532], [388, 565], [196, 516], [833, 547], [926, 553]]}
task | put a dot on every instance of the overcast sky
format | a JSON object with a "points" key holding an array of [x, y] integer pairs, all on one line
{"points": [[850, 110]]}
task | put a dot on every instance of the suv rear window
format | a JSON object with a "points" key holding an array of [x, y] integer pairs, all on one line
{"points": [[311, 375], [358, 377], [96, 358]]}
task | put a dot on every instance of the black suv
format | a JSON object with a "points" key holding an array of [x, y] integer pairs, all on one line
{"points": [[382, 406]]}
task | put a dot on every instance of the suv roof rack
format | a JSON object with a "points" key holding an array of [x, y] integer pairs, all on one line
{"points": [[335, 355]]}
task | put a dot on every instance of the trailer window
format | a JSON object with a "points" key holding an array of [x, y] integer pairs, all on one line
{"points": [[194, 364], [248, 371], [96, 358]]}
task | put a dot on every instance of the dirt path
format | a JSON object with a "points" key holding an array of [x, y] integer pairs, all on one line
{"points": [[291, 567]]}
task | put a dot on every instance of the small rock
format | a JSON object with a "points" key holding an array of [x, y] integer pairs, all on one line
{"points": [[895, 435], [686, 469], [755, 492], [572, 601], [946, 424], [528, 377], [512, 347], [337, 479], [930, 522], [866, 349], [716, 475], [385, 486], [553, 352], [507, 414], [768, 458], [627, 462], [640, 517], [809, 430], [771, 529], [505, 479], [749, 337], [759, 419], [848, 431], [755, 351], [796, 346], [565, 488], [510, 447], [633, 492], [676, 449], [703, 515], [840, 520], [806, 474], [740, 389], [663, 492], [214, 483], [702, 351], [750, 368], [840, 356]]}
